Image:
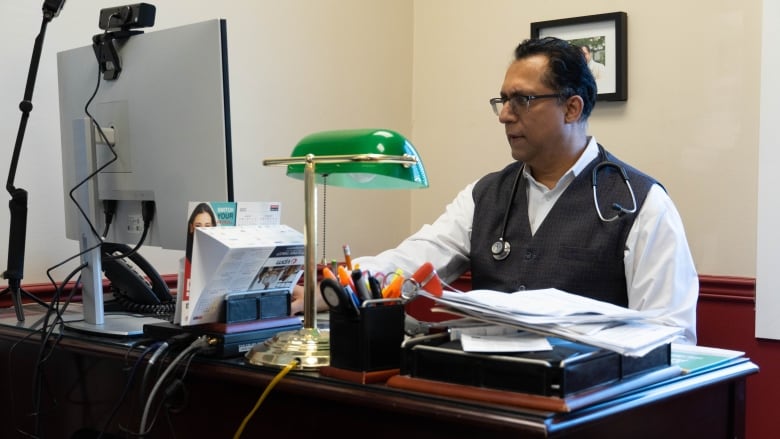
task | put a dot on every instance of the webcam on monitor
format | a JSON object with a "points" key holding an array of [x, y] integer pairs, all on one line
{"points": [[127, 17], [119, 23]]}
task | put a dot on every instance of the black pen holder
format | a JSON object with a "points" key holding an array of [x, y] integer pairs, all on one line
{"points": [[369, 341]]}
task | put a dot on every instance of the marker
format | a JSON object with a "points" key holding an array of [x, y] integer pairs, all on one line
{"points": [[327, 273], [345, 279], [375, 287], [393, 289], [347, 256], [361, 285]]}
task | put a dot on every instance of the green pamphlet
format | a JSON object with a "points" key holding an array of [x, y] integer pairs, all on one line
{"points": [[694, 358]]}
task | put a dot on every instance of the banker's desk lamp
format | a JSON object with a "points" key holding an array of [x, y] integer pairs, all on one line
{"points": [[362, 158]]}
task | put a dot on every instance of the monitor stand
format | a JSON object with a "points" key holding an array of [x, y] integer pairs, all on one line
{"points": [[95, 320], [116, 325]]}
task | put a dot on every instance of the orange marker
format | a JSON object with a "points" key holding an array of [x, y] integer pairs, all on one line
{"points": [[327, 273], [393, 289], [345, 279]]}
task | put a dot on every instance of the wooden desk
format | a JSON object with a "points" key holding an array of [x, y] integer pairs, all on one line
{"points": [[86, 376]]}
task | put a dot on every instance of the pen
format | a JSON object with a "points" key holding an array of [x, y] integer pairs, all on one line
{"points": [[334, 266], [361, 285], [375, 287], [347, 256], [354, 297]]}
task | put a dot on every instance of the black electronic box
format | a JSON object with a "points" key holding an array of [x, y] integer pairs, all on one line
{"points": [[566, 369]]}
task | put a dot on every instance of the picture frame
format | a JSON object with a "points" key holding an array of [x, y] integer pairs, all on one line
{"points": [[606, 36]]}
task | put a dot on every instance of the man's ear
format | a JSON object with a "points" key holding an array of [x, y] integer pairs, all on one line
{"points": [[574, 105]]}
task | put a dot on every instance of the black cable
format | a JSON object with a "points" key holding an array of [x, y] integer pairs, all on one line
{"points": [[47, 330], [197, 345], [47, 346], [173, 343], [127, 387], [154, 363], [52, 320], [164, 310], [11, 381], [109, 211], [147, 212], [94, 173]]}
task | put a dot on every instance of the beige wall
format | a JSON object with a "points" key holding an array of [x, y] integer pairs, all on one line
{"points": [[425, 68], [296, 66], [691, 119]]}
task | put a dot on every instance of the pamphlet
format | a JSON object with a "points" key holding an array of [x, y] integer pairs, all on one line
{"points": [[219, 214], [238, 259], [692, 358]]}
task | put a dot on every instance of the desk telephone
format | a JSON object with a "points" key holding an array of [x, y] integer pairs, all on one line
{"points": [[145, 292]]}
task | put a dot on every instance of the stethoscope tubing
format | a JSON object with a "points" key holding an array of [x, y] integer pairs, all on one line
{"points": [[501, 248]]}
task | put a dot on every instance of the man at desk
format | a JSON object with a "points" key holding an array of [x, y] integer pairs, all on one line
{"points": [[561, 215]]}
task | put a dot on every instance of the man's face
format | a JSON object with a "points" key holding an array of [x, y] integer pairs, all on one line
{"points": [[532, 132]]}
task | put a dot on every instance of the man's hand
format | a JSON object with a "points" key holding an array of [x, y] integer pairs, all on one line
{"points": [[296, 301]]}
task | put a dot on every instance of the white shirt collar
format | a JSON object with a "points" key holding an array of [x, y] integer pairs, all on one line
{"points": [[591, 152]]}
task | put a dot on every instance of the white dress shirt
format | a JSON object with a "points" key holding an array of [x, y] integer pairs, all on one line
{"points": [[659, 268]]}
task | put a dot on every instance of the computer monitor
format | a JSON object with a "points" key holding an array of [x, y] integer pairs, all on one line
{"points": [[167, 114]]}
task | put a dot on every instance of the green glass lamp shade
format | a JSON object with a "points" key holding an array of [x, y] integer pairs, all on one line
{"points": [[361, 158]]}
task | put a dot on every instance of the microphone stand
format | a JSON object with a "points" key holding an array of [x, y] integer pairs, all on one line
{"points": [[18, 202]]}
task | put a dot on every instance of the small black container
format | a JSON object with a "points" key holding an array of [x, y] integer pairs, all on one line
{"points": [[369, 341]]}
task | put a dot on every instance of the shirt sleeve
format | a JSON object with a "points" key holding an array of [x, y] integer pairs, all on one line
{"points": [[446, 243], [660, 272]]}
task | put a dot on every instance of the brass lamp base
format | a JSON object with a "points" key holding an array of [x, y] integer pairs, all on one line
{"points": [[310, 346]]}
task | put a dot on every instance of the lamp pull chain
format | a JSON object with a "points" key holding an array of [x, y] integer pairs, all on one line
{"points": [[324, 261]]}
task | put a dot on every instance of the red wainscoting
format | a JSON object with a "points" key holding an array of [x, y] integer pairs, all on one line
{"points": [[726, 319]]}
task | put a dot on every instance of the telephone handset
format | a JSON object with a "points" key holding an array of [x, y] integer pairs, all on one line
{"points": [[132, 288]]}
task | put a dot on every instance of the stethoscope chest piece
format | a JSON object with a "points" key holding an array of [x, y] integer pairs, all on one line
{"points": [[500, 249]]}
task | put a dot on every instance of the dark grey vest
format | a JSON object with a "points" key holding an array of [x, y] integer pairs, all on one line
{"points": [[573, 250]]}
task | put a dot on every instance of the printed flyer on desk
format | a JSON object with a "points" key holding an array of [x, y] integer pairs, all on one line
{"points": [[229, 260], [219, 214]]}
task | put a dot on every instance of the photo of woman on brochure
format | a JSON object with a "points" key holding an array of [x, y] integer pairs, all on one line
{"points": [[201, 216]]}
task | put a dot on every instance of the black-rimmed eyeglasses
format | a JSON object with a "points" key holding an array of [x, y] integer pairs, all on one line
{"points": [[517, 102]]}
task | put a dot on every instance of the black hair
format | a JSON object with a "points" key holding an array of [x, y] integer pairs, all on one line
{"points": [[202, 208], [568, 72]]}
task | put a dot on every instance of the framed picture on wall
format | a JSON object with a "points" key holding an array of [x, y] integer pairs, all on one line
{"points": [[603, 40]]}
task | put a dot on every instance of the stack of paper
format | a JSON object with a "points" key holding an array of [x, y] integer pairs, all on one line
{"points": [[557, 313]]}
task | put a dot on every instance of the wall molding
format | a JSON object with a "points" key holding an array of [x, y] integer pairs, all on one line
{"points": [[711, 288], [46, 291], [727, 289]]}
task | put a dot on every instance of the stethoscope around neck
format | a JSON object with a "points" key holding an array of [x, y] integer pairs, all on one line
{"points": [[501, 248]]}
